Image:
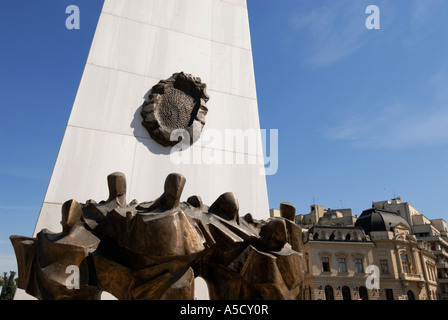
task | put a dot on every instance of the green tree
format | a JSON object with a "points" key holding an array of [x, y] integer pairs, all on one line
{"points": [[9, 286]]}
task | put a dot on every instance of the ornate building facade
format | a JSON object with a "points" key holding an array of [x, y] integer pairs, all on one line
{"points": [[336, 259], [433, 232], [374, 257]]}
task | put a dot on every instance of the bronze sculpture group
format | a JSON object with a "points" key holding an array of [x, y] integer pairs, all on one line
{"points": [[154, 250]]}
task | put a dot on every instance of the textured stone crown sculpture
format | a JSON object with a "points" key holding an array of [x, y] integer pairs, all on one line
{"points": [[175, 103], [154, 250]]}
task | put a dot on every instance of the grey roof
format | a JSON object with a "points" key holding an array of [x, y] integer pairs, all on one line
{"points": [[379, 220]]}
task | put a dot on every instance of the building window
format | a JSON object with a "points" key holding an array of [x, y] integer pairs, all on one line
{"points": [[384, 267], [325, 264], [404, 263], [346, 295], [359, 266], [389, 294], [432, 271], [355, 236], [363, 293], [429, 268], [410, 295], [339, 236], [329, 293], [342, 265]]}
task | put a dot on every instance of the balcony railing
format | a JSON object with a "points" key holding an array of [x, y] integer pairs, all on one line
{"points": [[411, 276], [440, 252]]}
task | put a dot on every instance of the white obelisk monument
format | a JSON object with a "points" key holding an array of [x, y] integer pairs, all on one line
{"points": [[136, 44]]}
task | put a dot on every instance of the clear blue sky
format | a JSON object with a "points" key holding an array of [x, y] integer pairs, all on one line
{"points": [[362, 114]]}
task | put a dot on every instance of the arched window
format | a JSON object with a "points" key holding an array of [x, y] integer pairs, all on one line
{"points": [[348, 237], [329, 293], [339, 235], [346, 295], [355, 236], [411, 295], [363, 293]]}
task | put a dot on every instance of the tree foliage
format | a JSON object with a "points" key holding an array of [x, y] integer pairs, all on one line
{"points": [[9, 286]]}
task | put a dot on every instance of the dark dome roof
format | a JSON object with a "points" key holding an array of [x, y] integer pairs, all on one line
{"points": [[379, 220]]}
